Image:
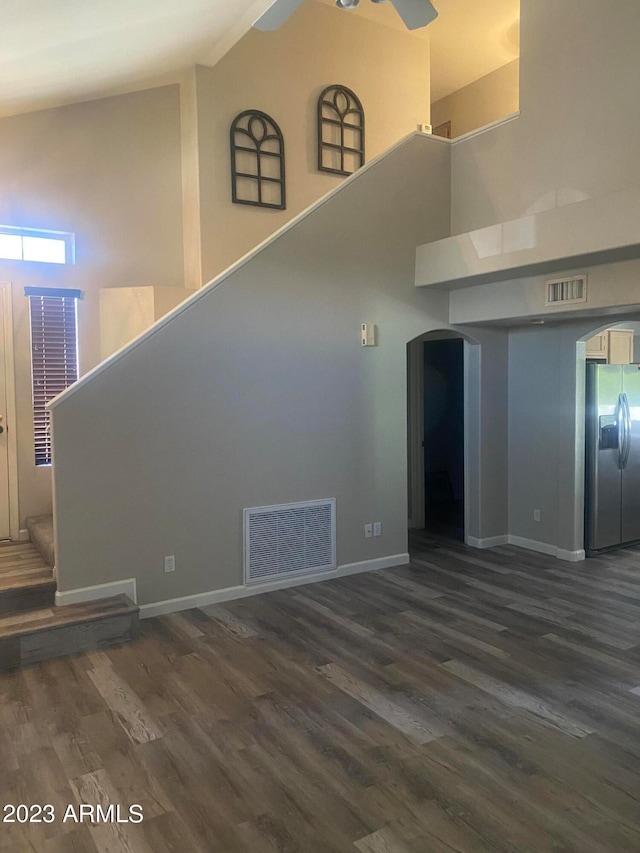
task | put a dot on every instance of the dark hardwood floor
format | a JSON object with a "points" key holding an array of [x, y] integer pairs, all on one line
{"points": [[472, 701]]}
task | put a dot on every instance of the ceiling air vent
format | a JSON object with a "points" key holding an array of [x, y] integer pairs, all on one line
{"points": [[289, 539], [566, 290]]}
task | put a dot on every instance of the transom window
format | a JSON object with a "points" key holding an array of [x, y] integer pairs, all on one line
{"points": [[31, 244]]}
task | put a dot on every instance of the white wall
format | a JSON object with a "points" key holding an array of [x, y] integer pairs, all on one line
{"points": [[109, 171], [272, 398], [611, 289], [577, 136]]}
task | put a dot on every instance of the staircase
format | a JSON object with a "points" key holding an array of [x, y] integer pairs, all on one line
{"points": [[32, 627]]}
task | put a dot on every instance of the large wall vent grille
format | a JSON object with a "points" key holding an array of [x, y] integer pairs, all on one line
{"points": [[289, 539], [566, 290]]}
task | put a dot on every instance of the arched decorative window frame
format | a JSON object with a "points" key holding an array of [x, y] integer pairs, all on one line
{"points": [[354, 107], [271, 131]]}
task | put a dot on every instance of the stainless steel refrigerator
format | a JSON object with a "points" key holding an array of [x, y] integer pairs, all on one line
{"points": [[612, 505]]}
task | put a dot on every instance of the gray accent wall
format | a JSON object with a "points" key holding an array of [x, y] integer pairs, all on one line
{"points": [[546, 430], [258, 392]]}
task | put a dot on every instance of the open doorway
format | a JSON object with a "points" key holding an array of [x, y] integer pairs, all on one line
{"points": [[444, 437], [438, 401]]}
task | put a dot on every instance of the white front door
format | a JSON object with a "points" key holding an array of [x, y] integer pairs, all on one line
{"points": [[4, 449]]}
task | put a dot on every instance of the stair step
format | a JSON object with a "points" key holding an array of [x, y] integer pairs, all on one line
{"points": [[26, 581], [50, 632], [40, 529], [36, 593]]}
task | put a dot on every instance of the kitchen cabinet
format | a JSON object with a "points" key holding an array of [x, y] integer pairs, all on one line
{"points": [[613, 346]]}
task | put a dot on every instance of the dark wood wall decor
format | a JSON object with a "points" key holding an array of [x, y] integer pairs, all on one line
{"points": [[340, 131], [257, 161]]}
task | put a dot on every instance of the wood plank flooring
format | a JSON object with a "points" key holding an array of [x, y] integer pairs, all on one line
{"points": [[472, 701], [32, 636], [26, 581]]}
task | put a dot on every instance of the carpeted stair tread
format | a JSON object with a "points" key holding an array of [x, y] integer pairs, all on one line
{"points": [[40, 529]]}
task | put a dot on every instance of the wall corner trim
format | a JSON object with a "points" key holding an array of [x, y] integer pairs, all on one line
{"points": [[230, 593], [571, 556], [95, 593], [545, 548], [490, 542], [471, 134]]}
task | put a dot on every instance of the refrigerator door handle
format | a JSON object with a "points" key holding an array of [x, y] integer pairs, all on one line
{"points": [[622, 429], [626, 414]]}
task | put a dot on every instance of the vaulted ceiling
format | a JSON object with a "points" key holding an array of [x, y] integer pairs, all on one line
{"points": [[56, 51]]}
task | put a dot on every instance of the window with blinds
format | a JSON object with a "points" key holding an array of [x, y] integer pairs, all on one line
{"points": [[54, 356]]}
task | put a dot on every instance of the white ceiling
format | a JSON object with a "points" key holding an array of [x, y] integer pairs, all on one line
{"points": [[469, 38], [54, 51], [57, 51]]}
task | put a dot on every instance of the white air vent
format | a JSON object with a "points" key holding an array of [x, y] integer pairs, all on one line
{"points": [[289, 539], [564, 290]]}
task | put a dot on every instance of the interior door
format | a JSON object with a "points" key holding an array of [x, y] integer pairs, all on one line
{"points": [[631, 471], [4, 450]]}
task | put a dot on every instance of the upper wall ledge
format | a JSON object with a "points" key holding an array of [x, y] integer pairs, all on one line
{"points": [[598, 230]]}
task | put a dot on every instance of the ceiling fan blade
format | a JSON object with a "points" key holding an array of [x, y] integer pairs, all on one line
{"points": [[276, 15], [415, 13]]}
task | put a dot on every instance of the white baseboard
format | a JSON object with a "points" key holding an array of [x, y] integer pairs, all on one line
{"points": [[23, 535], [533, 545], [529, 544], [490, 542], [230, 593], [94, 593], [545, 548]]}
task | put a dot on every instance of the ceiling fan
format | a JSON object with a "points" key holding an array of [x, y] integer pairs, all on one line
{"points": [[414, 13]]}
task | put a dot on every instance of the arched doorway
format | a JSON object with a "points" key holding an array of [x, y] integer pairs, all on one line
{"points": [[443, 385]]}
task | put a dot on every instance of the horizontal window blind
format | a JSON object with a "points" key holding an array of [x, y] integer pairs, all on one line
{"points": [[54, 360]]}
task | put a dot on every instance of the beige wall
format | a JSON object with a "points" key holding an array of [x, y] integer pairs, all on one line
{"points": [[272, 398], [282, 73], [486, 100], [109, 171]]}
